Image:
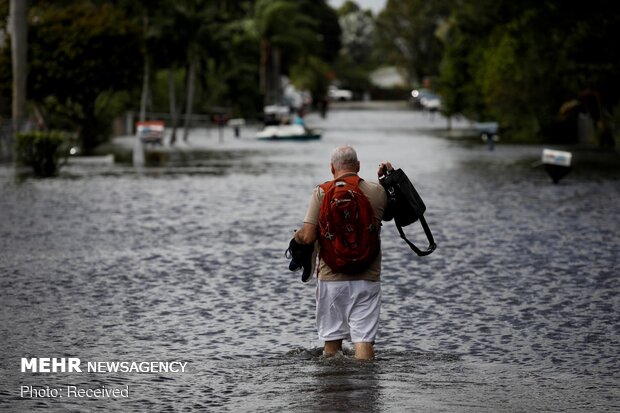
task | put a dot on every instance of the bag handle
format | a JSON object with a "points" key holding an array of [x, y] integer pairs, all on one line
{"points": [[419, 215], [429, 235]]}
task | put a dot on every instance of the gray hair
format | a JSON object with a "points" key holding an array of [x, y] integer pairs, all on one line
{"points": [[344, 157]]}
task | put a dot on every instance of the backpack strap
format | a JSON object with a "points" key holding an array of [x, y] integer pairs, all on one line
{"points": [[429, 235], [326, 186], [351, 178]]}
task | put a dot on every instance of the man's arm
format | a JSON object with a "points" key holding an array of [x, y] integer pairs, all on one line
{"points": [[307, 234], [388, 212]]}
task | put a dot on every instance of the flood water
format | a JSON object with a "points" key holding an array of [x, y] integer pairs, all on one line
{"points": [[518, 309]]}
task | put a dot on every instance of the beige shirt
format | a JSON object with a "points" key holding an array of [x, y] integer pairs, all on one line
{"points": [[376, 195]]}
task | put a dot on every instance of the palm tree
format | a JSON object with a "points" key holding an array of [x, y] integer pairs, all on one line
{"points": [[284, 32], [196, 25], [146, 69], [167, 49], [19, 44], [175, 33], [145, 14]]}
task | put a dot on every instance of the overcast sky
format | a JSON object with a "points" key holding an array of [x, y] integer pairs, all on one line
{"points": [[374, 5]]}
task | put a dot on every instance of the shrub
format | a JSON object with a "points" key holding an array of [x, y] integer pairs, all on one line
{"points": [[41, 150]]}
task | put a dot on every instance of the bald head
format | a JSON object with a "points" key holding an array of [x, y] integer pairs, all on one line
{"points": [[344, 159]]}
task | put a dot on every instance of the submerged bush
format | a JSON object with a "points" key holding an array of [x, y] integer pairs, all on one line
{"points": [[42, 150]]}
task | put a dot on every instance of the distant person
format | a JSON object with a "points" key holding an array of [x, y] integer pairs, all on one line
{"points": [[323, 106], [348, 301], [298, 119]]}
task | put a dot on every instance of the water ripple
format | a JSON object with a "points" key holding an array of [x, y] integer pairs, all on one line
{"points": [[517, 310]]}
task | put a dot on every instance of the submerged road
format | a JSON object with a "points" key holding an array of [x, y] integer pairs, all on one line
{"points": [[517, 309]]}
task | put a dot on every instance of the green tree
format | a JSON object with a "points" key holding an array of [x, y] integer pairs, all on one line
{"points": [[357, 56], [358, 32], [197, 20], [312, 68], [168, 50], [282, 29], [5, 63], [80, 55], [409, 33], [311, 73], [236, 76], [517, 62], [328, 32], [19, 45]]}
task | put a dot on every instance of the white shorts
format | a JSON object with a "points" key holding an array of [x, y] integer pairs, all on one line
{"points": [[348, 310]]}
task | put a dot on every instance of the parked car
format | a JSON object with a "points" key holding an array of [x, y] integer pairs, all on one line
{"points": [[425, 99], [334, 93]]}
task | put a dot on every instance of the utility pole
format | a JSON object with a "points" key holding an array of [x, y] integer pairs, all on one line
{"points": [[19, 44]]}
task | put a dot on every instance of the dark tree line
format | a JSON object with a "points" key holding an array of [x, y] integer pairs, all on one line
{"points": [[532, 65], [522, 63], [89, 61]]}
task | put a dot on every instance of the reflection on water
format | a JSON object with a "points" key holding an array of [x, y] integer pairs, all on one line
{"points": [[346, 386], [517, 310]]}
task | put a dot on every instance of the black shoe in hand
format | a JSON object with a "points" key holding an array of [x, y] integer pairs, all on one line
{"points": [[302, 256]]}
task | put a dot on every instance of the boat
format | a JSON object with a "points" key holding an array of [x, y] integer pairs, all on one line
{"points": [[288, 133]]}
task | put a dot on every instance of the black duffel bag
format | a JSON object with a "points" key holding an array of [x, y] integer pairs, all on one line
{"points": [[405, 206]]}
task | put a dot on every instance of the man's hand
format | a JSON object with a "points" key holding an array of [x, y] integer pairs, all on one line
{"points": [[307, 234], [383, 168]]}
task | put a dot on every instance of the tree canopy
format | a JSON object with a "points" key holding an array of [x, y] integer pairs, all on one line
{"points": [[515, 62], [518, 62], [77, 53], [408, 32], [88, 60]]}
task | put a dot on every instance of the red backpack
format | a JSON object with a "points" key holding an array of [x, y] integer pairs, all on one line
{"points": [[349, 234]]}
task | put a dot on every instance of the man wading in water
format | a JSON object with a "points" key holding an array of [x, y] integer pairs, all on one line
{"points": [[347, 225]]}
